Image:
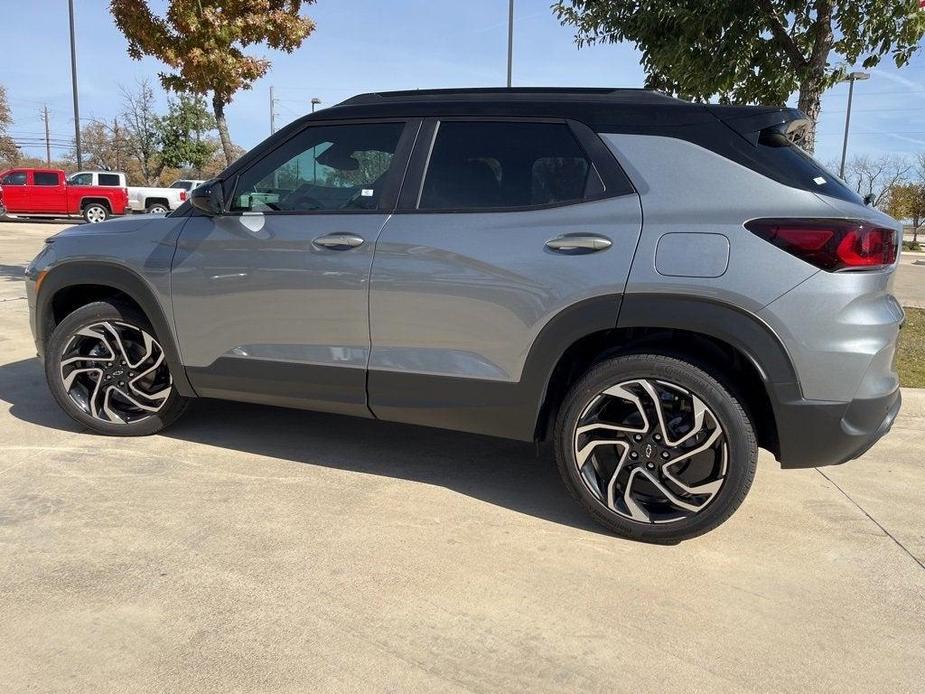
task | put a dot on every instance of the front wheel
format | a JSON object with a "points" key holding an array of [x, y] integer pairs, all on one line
{"points": [[655, 448], [94, 213], [107, 370]]}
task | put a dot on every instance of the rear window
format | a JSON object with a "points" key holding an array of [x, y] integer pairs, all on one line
{"points": [[45, 178], [107, 179], [506, 165], [182, 185], [797, 168]]}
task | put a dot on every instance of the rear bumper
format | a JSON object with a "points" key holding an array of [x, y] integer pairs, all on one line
{"points": [[814, 433]]}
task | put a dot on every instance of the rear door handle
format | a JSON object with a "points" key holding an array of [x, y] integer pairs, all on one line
{"points": [[577, 244], [339, 241]]}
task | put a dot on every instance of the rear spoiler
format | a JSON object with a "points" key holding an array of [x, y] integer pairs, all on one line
{"points": [[751, 121]]}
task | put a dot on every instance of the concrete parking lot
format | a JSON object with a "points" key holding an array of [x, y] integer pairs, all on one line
{"points": [[259, 549]]}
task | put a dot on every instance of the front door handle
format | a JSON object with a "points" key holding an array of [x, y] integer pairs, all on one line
{"points": [[339, 241], [577, 244]]}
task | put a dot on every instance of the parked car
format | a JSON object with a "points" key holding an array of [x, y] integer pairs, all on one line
{"points": [[187, 184], [141, 199], [46, 193], [656, 287], [155, 200]]}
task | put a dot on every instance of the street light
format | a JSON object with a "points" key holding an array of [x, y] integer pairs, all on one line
{"points": [[70, 11], [850, 78], [315, 102]]}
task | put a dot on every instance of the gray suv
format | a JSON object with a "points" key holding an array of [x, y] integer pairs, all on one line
{"points": [[657, 287]]}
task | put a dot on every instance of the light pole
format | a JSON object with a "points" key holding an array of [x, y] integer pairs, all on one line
{"points": [[315, 102], [510, 40], [851, 78], [70, 9]]}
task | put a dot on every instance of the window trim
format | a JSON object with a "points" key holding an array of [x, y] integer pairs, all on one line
{"points": [[393, 182], [614, 180]]}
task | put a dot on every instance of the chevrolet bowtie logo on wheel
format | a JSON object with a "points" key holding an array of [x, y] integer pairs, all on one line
{"points": [[648, 450]]}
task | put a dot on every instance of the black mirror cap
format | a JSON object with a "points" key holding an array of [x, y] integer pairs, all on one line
{"points": [[209, 198]]}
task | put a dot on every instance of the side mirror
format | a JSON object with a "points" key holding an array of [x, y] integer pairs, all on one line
{"points": [[869, 199], [209, 198]]}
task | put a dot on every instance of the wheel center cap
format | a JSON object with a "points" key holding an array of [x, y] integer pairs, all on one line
{"points": [[648, 451]]}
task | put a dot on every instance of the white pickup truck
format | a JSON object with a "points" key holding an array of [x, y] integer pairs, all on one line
{"points": [[140, 198]]}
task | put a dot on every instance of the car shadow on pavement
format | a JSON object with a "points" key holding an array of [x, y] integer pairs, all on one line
{"points": [[509, 474]]}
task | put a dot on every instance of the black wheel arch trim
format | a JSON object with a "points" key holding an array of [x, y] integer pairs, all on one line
{"points": [[122, 279], [736, 327]]}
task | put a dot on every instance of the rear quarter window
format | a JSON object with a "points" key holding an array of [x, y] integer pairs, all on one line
{"points": [[797, 168]]}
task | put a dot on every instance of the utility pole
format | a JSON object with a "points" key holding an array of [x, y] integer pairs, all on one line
{"points": [[47, 136], [117, 153], [272, 112], [70, 9], [510, 40]]}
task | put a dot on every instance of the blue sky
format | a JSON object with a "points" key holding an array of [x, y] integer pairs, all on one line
{"points": [[367, 45]]}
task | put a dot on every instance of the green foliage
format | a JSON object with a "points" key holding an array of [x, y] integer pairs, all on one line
{"points": [[183, 133], [746, 51], [907, 201], [912, 246]]}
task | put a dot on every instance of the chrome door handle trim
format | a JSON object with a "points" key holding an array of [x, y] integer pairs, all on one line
{"points": [[579, 243], [339, 241]]}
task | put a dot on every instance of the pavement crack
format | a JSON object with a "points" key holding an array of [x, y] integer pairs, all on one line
{"points": [[13, 298], [872, 519]]}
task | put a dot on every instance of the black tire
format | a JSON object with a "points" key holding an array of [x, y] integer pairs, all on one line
{"points": [[95, 212], [736, 443], [170, 407], [157, 208]]}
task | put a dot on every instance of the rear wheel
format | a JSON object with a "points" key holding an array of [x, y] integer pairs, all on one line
{"points": [[157, 208], [655, 448], [95, 212], [107, 370]]}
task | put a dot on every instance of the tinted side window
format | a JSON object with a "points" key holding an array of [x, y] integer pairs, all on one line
{"points": [[506, 165], [326, 167], [107, 179], [14, 178], [81, 179], [45, 178]]}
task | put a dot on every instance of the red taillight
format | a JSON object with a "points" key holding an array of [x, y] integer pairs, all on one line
{"points": [[830, 244], [182, 196]]}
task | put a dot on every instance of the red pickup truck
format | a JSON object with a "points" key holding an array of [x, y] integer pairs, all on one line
{"points": [[47, 193]]}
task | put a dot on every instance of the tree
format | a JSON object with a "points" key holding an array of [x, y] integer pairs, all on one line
{"points": [[143, 130], [183, 133], [876, 177], [907, 201], [104, 146], [9, 151], [745, 51], [219, 160], [203, 41]]}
